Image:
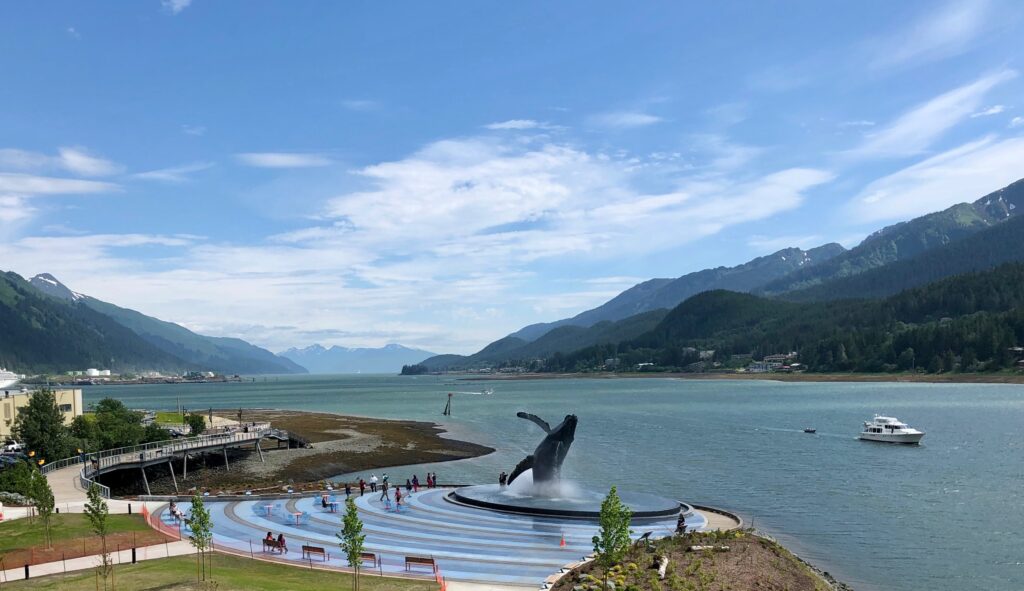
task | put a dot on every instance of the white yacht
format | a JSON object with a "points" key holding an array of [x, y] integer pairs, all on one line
{"points": [[890, 430], [8, 378]]}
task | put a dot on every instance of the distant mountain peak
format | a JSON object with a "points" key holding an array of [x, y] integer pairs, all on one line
{"points": [[49, 285], [337, 359]]}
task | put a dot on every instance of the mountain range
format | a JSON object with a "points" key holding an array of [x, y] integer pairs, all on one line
{"points": [[50, 328], [963, 238], [324, 360]]}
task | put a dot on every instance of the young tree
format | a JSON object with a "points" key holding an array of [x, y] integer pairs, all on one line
{"points": [[352, 538], [42, 496], [612, 540], [96, 510], [40, 427], [202, 536], [196, 423]]}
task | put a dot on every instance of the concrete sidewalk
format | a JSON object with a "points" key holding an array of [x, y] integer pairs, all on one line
{"points": [[178, 548]]}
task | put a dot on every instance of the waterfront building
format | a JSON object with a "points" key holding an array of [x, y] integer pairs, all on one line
{"points": [[69, 401]]}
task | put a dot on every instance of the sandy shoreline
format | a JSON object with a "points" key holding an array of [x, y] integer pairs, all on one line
{"points": [[958, 378]]}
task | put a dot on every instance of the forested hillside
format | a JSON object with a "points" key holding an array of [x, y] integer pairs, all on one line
{"points": [[512, 350], [909, 239], [1001, 243], [963, 323], [39, 333]]}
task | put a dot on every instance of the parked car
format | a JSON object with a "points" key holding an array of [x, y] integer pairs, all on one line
{"points": [[12, 446]]}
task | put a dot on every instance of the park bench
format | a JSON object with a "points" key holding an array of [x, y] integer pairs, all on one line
{"points": [[273, 546], [411, 561], [311, 550], [368, 557]]}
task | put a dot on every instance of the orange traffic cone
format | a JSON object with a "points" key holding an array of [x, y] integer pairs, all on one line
{"points": [[562, 543]]}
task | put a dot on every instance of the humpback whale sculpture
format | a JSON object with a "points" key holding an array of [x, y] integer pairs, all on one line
{"points": [[546, 460]]}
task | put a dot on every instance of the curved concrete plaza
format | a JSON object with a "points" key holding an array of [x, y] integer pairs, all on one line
{"points": [[467, 543]]}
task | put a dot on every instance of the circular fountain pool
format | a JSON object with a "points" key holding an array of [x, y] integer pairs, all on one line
{"points": [[580, 503]]}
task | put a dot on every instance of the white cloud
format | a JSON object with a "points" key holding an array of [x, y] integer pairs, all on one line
{"points": [[770, 244], [915, 131], [14, 159], [176, 174], [1016, 122], [857, 123], [942, 32], [433, 235], [958, 175], [193, 129], [722, 154], [175, 6], [74, 160], [283, 159], [360, 105], [73, 33], [993, 110], [517, 124], [624, 119], [41, 185], [729, 113], [79, 161], [14, 208]]}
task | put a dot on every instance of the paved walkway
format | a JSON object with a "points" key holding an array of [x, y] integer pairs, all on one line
{"points": [[65, 485]]}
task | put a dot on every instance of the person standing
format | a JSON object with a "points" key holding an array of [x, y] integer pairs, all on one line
{"points": [[408, 486], [362, 486], [373, 482], [398, 497], [348, 490], [384, 477], [415, 483]]}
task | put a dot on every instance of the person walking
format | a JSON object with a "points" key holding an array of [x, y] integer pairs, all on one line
{"points": [[408, 486], [415, 483], [373, 482], [384, 477], [384, 491], [348, 490], [398, 497]]}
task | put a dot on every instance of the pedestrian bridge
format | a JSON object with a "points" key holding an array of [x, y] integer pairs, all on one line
{"points": [[87, 468]]}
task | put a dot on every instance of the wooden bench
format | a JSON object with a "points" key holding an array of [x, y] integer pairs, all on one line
{"points": [[311, 550], [274, 546], [411, 561], [368, 557]]}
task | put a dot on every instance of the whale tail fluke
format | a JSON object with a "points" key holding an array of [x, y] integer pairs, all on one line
{"points": [[523, 465]]}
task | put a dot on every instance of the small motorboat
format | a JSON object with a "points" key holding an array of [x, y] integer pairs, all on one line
{"points": [[810, 430]]}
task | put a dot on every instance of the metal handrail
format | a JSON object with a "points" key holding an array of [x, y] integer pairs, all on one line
{"points": [[86, 482], [47, 468], [148, 451]]}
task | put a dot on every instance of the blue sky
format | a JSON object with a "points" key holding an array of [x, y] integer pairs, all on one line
{"points": [[441, 174]]}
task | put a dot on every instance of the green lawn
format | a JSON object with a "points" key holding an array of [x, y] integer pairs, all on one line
{"points": [[22, 533], [169, 417], [231, 573]]}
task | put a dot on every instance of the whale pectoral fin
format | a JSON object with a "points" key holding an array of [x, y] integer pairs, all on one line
{"points": [[540, 422], [523, 465]]}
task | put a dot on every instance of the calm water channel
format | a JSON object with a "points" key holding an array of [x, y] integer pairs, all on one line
{"points": [[948, 515]]}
